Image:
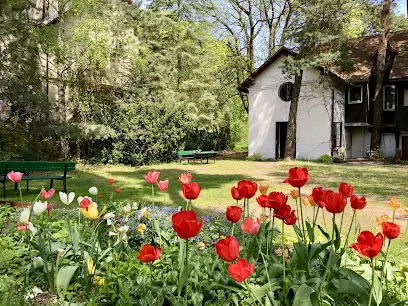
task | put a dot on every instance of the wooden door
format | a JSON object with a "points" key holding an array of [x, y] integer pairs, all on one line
{"points": [[404, 155], [280, 141]]}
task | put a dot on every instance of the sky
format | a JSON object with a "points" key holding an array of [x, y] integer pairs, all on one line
{"points": [[402, 6]]}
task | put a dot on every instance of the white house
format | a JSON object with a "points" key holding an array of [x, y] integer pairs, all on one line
{"points": [[335, 108]]}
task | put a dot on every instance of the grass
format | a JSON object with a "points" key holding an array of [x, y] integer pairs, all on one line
{"points": [[378, 183]]}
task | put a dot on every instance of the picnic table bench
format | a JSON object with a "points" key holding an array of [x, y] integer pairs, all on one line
{"points": [[197, 154], [27, 167]]}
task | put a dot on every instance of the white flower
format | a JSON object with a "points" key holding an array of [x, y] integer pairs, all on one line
{"points": [[112, 234], [67, 199], [109, 216], [32, 228], [93, 190], [33, 293], [39, 207], [25, 215], [126, 209], [123, 229]]}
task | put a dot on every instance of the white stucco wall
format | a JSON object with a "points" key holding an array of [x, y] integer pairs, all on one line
{"points": [[314, 113]]}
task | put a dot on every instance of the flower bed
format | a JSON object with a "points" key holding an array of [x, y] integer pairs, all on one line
{"points": [[127, 253]]}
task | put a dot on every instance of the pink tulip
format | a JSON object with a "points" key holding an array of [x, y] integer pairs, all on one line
{"points": [[15, 176], [163, 185], [185, 178], [24, 227], [50, 207], [47, 194], [152, 177], [251, 227]]}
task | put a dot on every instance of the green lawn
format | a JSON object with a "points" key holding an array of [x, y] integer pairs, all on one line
{"points": [[377, 182]]}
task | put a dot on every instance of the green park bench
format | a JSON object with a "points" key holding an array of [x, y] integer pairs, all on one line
{"points": [[197, 154], [28, 167]]}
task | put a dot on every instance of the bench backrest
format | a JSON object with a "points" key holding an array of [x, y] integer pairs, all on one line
{"points": [[184, 153], [29, 166]]}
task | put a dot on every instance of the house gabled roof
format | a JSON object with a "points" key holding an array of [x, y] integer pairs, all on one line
{"points": [[361, 53], [251, 78]]}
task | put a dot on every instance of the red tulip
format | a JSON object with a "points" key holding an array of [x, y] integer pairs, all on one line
{"points": [[251, 227], [277, 200], [390, 230], [163, 185], [111, 181], [228, 248], [247, 189], [235, 194], [358, 203], [233, 213], [117, 190], [346, 190], [241, 270], [263, 200], [50, 207], [291, 218], [318, 196], [335, 202], [15, 176], [152, 177], [148, 253], [85, 202], [99, 196], [47, 194], [368, 244], [24, 227], [286, 214], [185, 224], [191, 191], [297, 177], [185, 178]]}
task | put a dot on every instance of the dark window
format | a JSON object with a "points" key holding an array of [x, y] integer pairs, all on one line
{"points": [[285, 91], [337, 134], [355, 94], [389, 98]]}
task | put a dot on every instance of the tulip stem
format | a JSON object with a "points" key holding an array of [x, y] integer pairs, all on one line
{"points": [[303, 221], [341, 220], [348, 233], [151, 283], [186, 268], [283, 251], [153, 202], [247, 208], [372, 281], [315, 216], [243, 215], [326, 270], [232, 231], [324, 219], [273, 225], [385, 260], [253, 293]]}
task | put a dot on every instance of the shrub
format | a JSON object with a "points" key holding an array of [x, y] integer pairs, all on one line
{"points": [[255, 157], [324, 159]]}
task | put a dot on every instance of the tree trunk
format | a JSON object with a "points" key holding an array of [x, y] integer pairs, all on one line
{"points": [[290, 147], [378, 75], [271, 40]]}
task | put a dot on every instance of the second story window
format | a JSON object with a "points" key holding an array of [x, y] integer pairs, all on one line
{"points": [[389, 98], [355, 94]]}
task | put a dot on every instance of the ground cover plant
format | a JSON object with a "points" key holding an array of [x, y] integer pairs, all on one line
{"points": [[128, 253]]}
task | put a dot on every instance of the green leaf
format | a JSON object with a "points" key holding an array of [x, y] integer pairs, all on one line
{"points": [[305, 296], [64, 277], [388, 271], [298, 231], [326, 234], [350, 288], [156, 227], [377, 292], [184, 276], [234, 298], [310, 232], [406, 281], [337, 242]]}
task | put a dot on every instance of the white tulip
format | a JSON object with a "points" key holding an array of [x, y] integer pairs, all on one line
{"points": [[25, 215], [39, 207], [67, 198], [32, 228], [93, 190], [127, 209]]}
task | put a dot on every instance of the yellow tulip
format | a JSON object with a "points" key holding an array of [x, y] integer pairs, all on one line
{"points": [[91, 267], [405, 209], [141, 228], [305, 201], [263, 188], [383, 218], [394, 204], [294, 194], [98, 280], [92, 212]]}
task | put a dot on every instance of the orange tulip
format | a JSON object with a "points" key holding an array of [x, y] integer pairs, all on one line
{"points": [[394, 204], [294, 194], [263, 188], [305, 201], [311, 201]]}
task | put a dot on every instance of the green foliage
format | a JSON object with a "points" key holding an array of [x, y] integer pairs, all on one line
{"points": [[324, 159], [255, 157]]}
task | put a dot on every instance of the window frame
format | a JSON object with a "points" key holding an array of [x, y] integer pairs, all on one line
{"points": [[334, 136], [395, 98], [291, 91], [349, 94]]}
